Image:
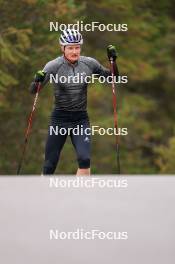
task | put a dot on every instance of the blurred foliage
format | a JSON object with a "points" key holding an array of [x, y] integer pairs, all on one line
{"points": [[145, 104], [166, 156]]}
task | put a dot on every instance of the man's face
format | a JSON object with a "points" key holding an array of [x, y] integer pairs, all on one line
{"points": [[71, 52]]}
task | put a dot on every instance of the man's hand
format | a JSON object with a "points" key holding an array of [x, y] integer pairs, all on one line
{"points": [[40, 76], [111, 52]]}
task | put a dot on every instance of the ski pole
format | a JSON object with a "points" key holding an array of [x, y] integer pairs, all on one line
{"points": [[28, 128], [115, 115]]}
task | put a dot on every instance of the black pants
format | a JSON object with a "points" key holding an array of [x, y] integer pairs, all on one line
{"points": [[63, 123]]}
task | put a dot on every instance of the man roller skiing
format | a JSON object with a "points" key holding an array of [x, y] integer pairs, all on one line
{"points": [[70, 108]]}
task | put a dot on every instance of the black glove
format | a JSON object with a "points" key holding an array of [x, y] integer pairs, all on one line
{"points": [[111, 52], [33, 87], [40, 76]]}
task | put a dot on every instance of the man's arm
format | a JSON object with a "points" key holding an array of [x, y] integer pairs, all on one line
{"points": [[43, 76]]}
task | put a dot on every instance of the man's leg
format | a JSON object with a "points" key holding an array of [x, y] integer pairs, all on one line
{"points": [[82, 144], [85, 172], [53, 149]]}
